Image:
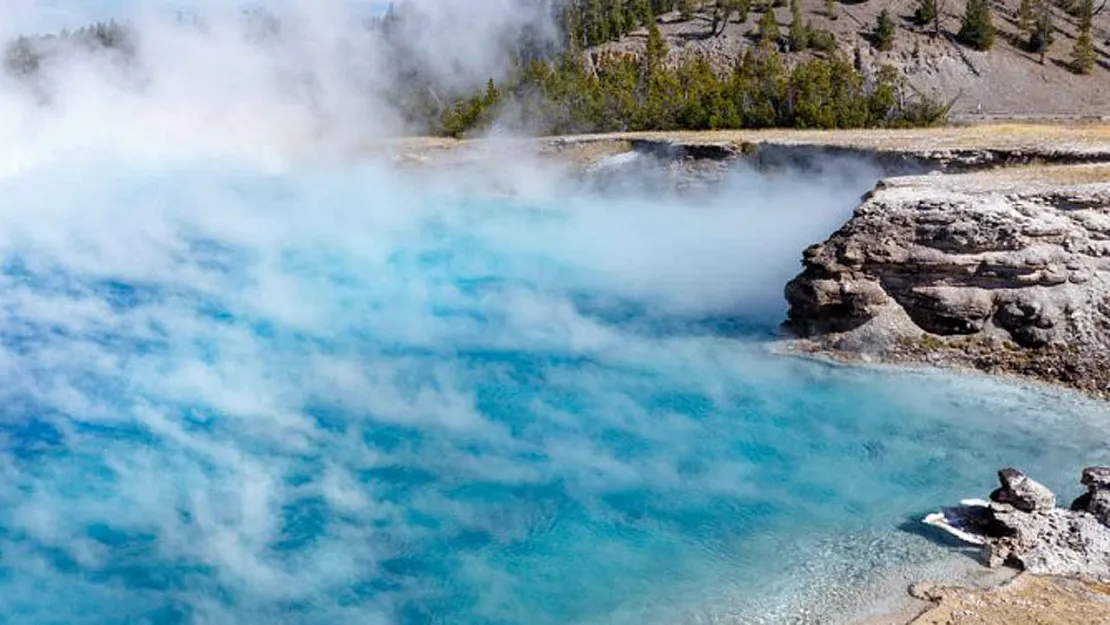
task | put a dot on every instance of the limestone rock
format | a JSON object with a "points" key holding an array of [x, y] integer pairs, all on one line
{"points": [[1055, 542], [1096, 478], [982, 270], [1099, 506], [1022, 492], [1021, 527], [1096, 500]]}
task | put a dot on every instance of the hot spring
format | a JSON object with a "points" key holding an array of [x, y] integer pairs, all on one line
{"points": [[479, 395]]}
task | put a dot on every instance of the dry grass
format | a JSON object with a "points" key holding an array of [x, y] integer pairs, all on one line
{"points": [[998, 136], [1095, 177], [1068, 175]]}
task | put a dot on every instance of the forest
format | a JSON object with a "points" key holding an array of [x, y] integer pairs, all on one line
{"points": [[584, 90], [577, 87]]}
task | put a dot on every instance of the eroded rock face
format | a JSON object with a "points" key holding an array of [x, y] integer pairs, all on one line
{"points": [[971, 269], [1022, 492], [1021, 526], [1097, 498]]}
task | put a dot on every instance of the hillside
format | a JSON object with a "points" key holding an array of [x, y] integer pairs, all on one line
{"points": [[1004, 82]]}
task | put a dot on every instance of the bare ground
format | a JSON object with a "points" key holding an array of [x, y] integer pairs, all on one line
{"points": [[1005, 82], [1055, 140], [1025, 600]]}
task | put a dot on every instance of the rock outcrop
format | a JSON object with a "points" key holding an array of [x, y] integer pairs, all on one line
{"points": [[1021, 526], [1022, 492], [1004, 271]]}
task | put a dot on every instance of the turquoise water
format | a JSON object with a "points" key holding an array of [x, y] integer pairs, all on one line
{"points": [[350, 395]]}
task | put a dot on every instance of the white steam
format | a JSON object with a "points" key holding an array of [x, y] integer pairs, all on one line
{"points": [[247, 373], [221, 84]]}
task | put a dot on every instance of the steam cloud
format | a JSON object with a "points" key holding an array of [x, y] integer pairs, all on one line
{"points": [[247, 370]]}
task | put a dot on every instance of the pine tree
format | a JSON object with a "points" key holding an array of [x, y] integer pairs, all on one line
{"points": [[1083, 54], [1043, 33], [799, 34], [977, 29], [617, 26], [656, 51], [769, 28], [830, 10], [926, 12], [884, 31], [1025, 15], [596, 23]]}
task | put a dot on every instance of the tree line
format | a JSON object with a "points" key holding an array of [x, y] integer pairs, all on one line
{"points": [[603, 91], [581, 86]]}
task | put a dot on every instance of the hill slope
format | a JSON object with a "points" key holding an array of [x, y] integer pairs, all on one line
{"points": [[1004, 82]]}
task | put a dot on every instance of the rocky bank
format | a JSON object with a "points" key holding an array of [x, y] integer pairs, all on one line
{"points": [[1064, 552], [1022, 527], [1005, 271]]}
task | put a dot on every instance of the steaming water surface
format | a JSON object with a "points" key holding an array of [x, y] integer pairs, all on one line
{"points": [[348, 395]]}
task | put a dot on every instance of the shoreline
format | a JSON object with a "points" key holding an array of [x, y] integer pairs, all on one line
{"points": [[923, 594], [991, 143], [813, 350], [1021, 155]]}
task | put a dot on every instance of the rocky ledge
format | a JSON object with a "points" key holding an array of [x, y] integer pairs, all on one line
{"points": [[1005, 271], [1022, 527]]}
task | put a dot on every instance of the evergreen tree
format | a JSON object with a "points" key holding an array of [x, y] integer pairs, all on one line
{"points": [[761, 85], [799, 33], [977, 29], [656, 51], [1043, 33], [596, 23], [1083, 54], [884, 31], [1025, 15], [926, 12], [21, 57], [617, 25], [769, 33], [830, 10], [886, 94]]}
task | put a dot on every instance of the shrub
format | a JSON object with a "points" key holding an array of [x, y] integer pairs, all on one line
{"points": [[822, 40]]}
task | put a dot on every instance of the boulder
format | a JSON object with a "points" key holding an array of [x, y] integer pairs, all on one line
{"points": [[1096, 500], [1099, 506], [1022, 492], [1021, 527], [1096, 478]]}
